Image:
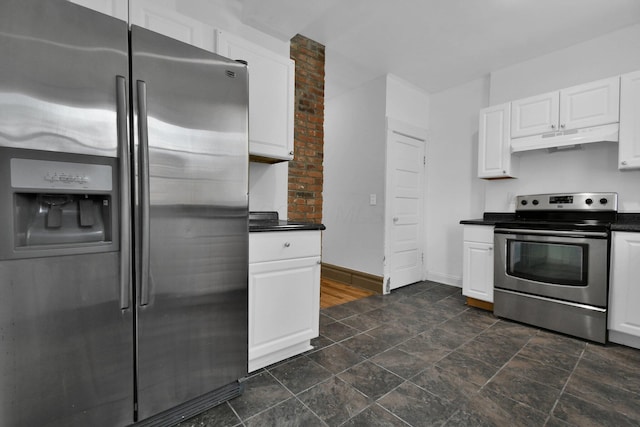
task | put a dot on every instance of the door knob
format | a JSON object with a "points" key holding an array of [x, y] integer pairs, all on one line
{"points": [[395, 219]]}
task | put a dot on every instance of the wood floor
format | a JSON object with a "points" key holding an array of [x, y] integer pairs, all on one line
{"points": [[335, 293]]}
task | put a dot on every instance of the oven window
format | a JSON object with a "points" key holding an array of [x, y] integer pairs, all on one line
{"points": [[554, 263]]}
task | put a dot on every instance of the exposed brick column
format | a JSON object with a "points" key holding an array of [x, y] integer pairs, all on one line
{"points": [[306, 171]]}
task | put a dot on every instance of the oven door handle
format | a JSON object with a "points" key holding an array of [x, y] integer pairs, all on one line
{"points": [[559, 233]]}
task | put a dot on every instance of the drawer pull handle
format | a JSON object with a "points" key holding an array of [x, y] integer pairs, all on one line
{"points": [[287, 244]]}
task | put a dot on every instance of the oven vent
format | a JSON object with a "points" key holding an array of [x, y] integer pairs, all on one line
{"points": [[568, 138]]}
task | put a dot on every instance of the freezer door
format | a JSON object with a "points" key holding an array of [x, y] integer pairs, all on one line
{"points": [[58, 77], [191, 149], [66, 346]]}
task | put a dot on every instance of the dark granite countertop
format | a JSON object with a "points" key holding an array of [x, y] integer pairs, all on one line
{"points": [[490, 218], [270, 221], [625, 222]]}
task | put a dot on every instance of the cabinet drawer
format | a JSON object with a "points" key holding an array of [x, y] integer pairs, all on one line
{"points": [[276, 245], [478, 233]]}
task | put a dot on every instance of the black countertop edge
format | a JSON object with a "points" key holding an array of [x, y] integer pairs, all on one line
{"points": [[279, 225], [269, 221], [490, 218], [625, 221]]}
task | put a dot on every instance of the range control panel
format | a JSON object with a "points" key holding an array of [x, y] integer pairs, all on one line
{"points": [[568, 201]]}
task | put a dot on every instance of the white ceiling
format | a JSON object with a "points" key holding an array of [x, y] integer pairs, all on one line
{"points": [[435, 44]]}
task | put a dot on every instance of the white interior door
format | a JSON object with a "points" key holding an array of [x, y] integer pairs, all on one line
{"points": [[404, 205]]}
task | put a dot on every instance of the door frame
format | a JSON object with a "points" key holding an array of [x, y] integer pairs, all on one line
{"points": [[395, 126]]}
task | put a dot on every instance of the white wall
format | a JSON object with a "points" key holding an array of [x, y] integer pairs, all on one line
{"points": [[268, 187], [592, 168], [453, 190], [407, 102], [354, 168], [354, 151], [606, 56]]}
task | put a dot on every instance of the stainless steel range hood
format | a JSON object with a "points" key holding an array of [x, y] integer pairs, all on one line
{"points": [[573, 137]]}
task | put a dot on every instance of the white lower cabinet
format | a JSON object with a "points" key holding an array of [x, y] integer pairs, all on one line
{"points": [[624, 289], [477, 258], [284, 294]]}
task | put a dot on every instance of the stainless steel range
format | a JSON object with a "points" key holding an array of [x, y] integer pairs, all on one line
{"points": [[552, 263]]}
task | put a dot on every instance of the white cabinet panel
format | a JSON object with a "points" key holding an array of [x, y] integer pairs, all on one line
{"points": [[590, 104], [148, 14], [477, 268], [535, 115], [624, 292], [494, 153], [115, 8], [629, 145], [271, 96], [271, 246], [284, 308], [284, 294]]}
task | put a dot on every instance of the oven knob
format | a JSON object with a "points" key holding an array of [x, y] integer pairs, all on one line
{"points": [[535, 202], [603, 201], [589, 201], [523, 203]]}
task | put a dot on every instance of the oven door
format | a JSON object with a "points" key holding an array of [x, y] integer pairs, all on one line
{"points": [[565, 265]]}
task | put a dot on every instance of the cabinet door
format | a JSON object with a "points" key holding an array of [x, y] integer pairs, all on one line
{"points": [[590, 104], [148, 14], [477, 271], [115, 8], [284, 304], [494, 154], [271, 96], [629, 145], [624, 297], [535, 115]]}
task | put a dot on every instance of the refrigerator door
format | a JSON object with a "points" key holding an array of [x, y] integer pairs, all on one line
{"points": [[66, 345], [58, 77], [192, 216]]}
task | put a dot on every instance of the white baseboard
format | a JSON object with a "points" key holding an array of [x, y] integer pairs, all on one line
{"points": [[447, 279]]}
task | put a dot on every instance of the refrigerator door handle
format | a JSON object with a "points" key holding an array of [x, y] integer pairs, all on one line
{"points": [[143, 137], [125, 195]]}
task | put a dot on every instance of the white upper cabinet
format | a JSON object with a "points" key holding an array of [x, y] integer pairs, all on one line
{"points": [[591, 104], [116, 8], [271, 97], [629, 145], [148, 14], [535, 115], [494, 153]]}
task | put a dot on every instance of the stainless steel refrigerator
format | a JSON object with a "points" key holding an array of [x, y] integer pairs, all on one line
{"points": [[123, 215]]}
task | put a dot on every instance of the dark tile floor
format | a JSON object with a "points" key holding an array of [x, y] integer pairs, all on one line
{"points": [[421, 357]]}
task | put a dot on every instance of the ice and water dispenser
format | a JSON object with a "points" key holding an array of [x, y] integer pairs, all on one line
{"points": [[57, 203]]}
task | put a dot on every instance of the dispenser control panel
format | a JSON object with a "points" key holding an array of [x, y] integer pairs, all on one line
{"points": [[34, 173]]}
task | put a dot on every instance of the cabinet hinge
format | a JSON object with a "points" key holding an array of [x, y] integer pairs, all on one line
{"points": [[424, 160]]}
